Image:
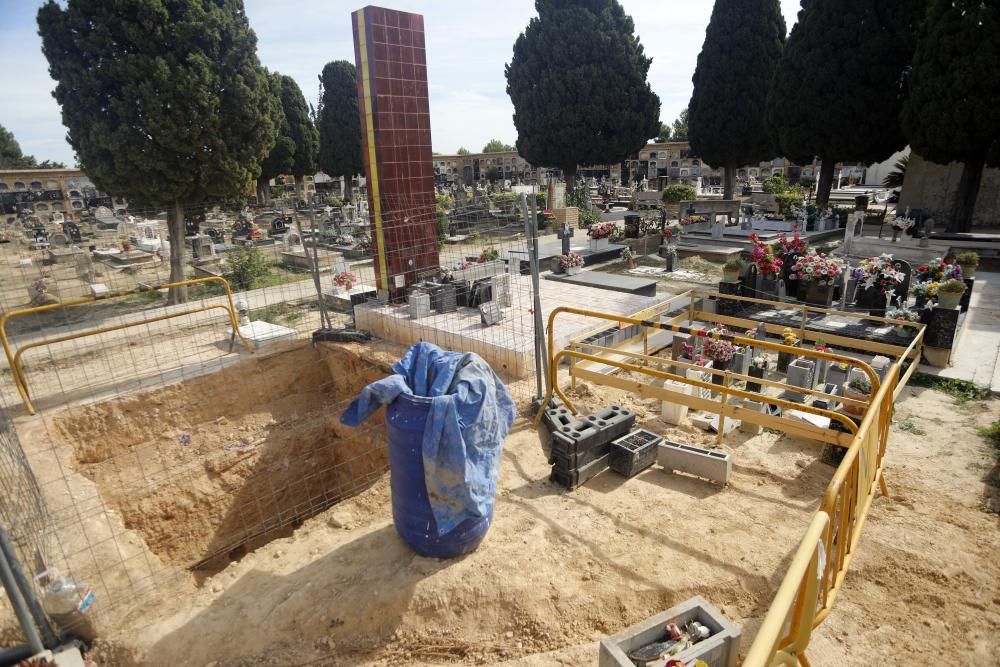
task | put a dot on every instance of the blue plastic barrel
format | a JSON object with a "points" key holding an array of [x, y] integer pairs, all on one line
{"points": [[405, 419]]}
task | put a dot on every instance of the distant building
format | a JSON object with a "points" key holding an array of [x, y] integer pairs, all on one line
{"points": [[41, 192], [468, 169]]}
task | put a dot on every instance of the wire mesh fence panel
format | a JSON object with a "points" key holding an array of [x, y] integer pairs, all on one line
{"points": [[164, 445]]}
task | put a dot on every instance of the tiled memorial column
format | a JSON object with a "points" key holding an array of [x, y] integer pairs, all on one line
{"points": [[396, 144]]}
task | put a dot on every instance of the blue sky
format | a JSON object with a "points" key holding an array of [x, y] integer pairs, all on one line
{"points": [[468, 44]]}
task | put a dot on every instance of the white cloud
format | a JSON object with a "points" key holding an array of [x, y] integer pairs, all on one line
{"points": [[468, 45]]}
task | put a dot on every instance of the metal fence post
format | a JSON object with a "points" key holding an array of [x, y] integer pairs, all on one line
{"points": [[531, 233]]}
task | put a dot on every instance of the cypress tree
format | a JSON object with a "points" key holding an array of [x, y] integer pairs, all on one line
{"points": [[302, 132], [577, 80], [727, 123], [952, 112], [165, 102], [339, 123], [281, 159], [839, 89]]}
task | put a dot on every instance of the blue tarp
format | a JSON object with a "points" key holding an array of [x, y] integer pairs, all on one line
{"points": [[470, 415]]}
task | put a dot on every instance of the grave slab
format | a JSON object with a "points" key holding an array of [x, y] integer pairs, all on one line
{"points": [[262, 333], [608, 281]]}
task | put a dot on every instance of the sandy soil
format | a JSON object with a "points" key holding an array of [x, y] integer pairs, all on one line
{"points": [[559, 570]]}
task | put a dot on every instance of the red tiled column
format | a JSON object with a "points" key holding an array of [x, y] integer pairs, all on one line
{"points": [[396, 144]]}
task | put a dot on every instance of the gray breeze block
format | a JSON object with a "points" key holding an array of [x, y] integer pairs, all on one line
{"points": [[719, 650], [597, 429], [707, 463]]}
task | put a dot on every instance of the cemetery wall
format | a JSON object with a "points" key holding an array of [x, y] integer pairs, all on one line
{"points": [[931, 187]]}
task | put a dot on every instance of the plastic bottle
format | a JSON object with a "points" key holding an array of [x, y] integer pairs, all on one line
{"points": [[69, 604]]}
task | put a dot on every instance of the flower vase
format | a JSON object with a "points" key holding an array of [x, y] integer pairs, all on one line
{"points": [[720, 366], [902, 332], [784, 359], [757, 373], [573, 270], [631, 264], [671, 257], [948, 299], [969, 270], [730, 275], [819, 295], [597, 245]]}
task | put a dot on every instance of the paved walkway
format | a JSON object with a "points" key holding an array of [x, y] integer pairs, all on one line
{"points": [[976, 355]]}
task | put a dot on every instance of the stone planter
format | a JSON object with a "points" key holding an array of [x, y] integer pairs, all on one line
{"points": [[854, 410], [767, 288], [836, 374], [718, 229], [800, 374], [674, 413], [948, 299], [730, 275], [573, 270], [969, 270], [597, 245], [554, 265], [720, 366], [741, 362], [819, 295]]}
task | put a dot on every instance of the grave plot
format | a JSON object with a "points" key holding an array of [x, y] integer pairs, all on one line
{"points": [[211, 468]]}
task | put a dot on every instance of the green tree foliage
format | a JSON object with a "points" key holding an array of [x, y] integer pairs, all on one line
{"points": [[339, 123], [462, 150], [165, 103], [281, 159], [492, 173], [11, 156], [679, 130], [774, 185], [952, 112], [497, 146], [838, 90], [662, 133], [727, 126], [301, 130], [577, 80]]}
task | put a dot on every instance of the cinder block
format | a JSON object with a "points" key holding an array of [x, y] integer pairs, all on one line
{"points": [[593, 430], [571, 479], [719, 650], [674, 413], [800, 374], [704, 422], [712, 465], [566, 458]]}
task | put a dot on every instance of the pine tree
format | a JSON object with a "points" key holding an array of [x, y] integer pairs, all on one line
{"points": [[339, 123], [577, 80], [952, 112], [727, 125], [839, 90], [281, 159], [165, 103]]}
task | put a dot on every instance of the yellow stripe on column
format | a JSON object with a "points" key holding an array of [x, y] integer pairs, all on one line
{"points": [[366, 86]]}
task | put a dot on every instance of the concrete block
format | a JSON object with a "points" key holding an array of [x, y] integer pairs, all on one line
{"points": [[98, 290], [593, 430], [674, 413], [420, 305], [749, 427], [730, 425], [712, 465], [721, 649], [800, 374], [880, 365], [702, 421]]}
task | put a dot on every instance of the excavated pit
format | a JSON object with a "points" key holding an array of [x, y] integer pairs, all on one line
{"points": [[209, 469]]}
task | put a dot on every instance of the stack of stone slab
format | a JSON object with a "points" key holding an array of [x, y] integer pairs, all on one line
{"points": [[580, 447]]}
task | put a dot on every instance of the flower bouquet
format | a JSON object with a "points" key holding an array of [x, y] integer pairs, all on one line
{"points": [[819, 273], [787, 247], [903, 315], [601, 230], [344, 280], [938, 270], [571, 263], [876, 277], [692, 220], [628, 256], [764, 258]]}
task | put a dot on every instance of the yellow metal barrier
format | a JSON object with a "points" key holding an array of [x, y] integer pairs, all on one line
{"points": [[818, 568], [784, 635], [14, 360]]}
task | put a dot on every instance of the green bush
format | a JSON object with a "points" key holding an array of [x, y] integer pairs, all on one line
{"points": [[794, 196], [505, 201], [247, 267], [676, 193], [541, 200], [334, 201], [579, 197], [774, 185]]}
